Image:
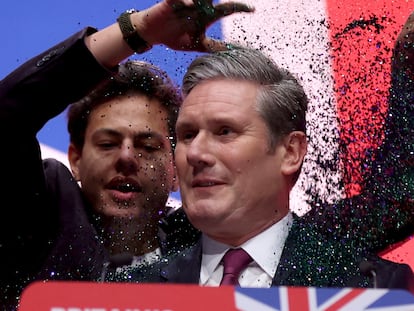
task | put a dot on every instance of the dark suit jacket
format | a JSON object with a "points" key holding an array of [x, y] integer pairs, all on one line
{"points": [[44, 227], [308, 259]]}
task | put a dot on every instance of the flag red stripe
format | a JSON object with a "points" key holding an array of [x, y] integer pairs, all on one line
{"points": [[345, 299], [298, 299]]}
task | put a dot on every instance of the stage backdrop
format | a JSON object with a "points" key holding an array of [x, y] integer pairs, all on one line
{"points": [[340, 50]]}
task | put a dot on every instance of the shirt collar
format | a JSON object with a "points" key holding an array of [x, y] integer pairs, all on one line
{"points": [[265, 249], [147, 258]]}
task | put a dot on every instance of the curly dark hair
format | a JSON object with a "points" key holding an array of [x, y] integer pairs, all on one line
{"points": [[132, 75]]}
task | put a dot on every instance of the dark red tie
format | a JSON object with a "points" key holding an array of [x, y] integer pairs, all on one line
{"points": [[234, 261]]}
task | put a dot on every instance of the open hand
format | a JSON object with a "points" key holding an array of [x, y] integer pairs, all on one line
{"points": [[182, 24]]}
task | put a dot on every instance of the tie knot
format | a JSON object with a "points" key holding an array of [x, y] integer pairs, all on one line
{"points": [[234, 261]]}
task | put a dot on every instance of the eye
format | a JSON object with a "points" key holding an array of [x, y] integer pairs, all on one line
{"points": [[186, 136], [107, 144], [149, 144], [151, 148], [225, 131], [189, 135]]}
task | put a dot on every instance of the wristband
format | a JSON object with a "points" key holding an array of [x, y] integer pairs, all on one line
{"points": [[130, 34]]}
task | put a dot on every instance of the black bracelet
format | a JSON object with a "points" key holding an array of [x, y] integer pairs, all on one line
{"points": [[130, 34]]}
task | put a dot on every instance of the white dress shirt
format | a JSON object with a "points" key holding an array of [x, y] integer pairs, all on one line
{"points": [[146, 259], [265, 249]]}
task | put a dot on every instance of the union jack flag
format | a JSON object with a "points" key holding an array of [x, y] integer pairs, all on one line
{"points": [[322, 299]]}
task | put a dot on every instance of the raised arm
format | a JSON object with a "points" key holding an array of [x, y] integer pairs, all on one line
{"points": [[391, 180], [180, 25], [384, 211], [41, 89], [47, 83]]}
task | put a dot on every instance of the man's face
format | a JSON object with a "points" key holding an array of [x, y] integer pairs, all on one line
{"points": [[232, 185], [126, 165]]}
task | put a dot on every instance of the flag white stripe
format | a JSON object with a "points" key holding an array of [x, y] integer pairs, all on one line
{"points": [[246, 303], [362, 301]]}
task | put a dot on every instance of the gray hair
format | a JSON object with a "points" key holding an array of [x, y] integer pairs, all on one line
{"points": [[281, 102]]}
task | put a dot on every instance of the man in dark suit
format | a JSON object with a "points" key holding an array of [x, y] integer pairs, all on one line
{"points": [[120, 150], [240, 146]]}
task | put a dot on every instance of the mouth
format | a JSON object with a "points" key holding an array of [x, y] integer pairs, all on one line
{"points": [[124, 189], [198, 183]]}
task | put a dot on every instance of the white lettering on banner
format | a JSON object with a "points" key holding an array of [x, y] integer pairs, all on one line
{"points": [[104, 309]]}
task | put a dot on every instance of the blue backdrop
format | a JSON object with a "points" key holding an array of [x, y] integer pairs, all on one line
{"points": [[31, 26]]}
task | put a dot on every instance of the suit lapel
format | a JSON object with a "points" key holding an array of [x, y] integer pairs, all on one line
{"points": [[295, 266], [287, 259], [308, 259], [184, 267]]}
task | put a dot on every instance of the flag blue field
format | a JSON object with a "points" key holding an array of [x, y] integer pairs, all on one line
{"points": [[322, 299]]}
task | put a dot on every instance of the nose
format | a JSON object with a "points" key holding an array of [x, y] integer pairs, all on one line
{"points": [[200, 151], [127, 161]]}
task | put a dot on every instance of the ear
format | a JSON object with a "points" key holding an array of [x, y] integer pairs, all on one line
{"points": [[176, 182], [296, 146], [74, 156]]}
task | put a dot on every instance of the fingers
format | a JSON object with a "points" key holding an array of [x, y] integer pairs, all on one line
{"points": [[180, 2], [210, 14], [229, 8], [205, 7], [211, 45], [190, 20]]}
